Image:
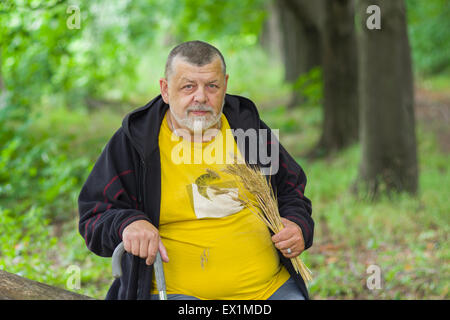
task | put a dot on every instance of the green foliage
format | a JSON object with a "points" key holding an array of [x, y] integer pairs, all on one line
{"points": [[310, 86], [238, 22], [429, 30], [29, 248], [35, 171], [42, 169], [41, 57], [26, 252], [33, 46], [279, 119]]}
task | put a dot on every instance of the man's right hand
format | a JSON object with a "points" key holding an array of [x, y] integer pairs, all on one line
{"points": [[142, 239]]}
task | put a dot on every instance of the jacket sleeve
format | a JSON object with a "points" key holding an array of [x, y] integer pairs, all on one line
{"points": [[108, 200], [289, 183]]}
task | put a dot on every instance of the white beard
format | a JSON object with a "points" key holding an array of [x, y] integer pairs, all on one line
{"points": [[199, 123]]}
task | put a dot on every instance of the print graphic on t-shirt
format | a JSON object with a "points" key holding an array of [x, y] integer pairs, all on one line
{"points": [[213, 198]]}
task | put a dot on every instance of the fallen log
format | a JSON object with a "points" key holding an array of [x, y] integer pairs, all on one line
{"points": [[14, 287]]}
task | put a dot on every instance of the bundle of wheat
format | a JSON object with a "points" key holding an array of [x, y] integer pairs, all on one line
{"points": [[251, 181]]}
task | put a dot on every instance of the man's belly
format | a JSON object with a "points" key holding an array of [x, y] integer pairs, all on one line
{"points": [[226, 258]]}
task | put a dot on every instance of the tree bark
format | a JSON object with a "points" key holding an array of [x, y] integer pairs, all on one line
{"points": [[340, 78], [14, 287], [300, 27], [387, 135]]}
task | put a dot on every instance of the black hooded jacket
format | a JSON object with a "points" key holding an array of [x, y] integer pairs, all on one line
{"points": [[125, 186]]}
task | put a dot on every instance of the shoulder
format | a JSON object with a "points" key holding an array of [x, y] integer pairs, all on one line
{"points": [[241, 112], [240, 100], [119, 143]]}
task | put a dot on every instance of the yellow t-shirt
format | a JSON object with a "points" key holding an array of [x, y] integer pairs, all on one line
{"points": [[217, 249]]}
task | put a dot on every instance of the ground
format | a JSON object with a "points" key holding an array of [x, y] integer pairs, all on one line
{"points": [[433, 110]]}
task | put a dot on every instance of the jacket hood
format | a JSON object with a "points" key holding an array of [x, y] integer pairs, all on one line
{"points": [[142, 125]]}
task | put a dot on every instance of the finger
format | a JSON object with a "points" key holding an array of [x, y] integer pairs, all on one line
{"points": [[163, 251], [135, 247], [143, 248], [127, 245], [283, 235], [285, 221], [152, 249], [293, 253], [294, 228], [286, 244]]}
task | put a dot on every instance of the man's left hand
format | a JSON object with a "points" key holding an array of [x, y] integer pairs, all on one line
{"points": [[290, 237]]}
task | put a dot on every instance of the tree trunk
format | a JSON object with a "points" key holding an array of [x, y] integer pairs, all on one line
{"points": [[300, 28], [14, 287], [270, 37], [388, 140], [322, 33], [340, 76]]}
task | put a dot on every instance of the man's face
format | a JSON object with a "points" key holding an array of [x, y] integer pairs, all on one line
{"points": [[195, 94]]}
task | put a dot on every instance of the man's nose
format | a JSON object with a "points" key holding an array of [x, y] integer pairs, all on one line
{"points": [[200, 95]]}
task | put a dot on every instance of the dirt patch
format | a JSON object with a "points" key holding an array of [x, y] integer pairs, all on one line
{"points": [[433, 110]]}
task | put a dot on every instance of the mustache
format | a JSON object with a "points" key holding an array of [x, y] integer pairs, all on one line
{"points": [[201, 107]]}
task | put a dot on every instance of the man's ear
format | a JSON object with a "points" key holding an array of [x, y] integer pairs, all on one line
{"points": [[226, 82], [164, 88]]}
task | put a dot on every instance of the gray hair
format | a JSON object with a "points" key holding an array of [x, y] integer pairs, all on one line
{"points": [[195, 52]]}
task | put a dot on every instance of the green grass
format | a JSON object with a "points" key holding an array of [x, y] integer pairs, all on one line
{"points": [[407, 237], [436, 83]]}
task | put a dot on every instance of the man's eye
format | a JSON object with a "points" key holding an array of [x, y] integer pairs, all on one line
{"points": [[213, 86], [188, 86]]}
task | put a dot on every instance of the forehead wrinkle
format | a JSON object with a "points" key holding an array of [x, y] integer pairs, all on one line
{"points": [[186, 79], [185, 72], [200, 79]]}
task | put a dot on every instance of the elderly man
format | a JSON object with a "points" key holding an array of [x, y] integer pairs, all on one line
{"points": [[154, 187]]}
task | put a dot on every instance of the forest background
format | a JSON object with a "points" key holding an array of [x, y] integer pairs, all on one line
{"points": [[361, 101]]}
